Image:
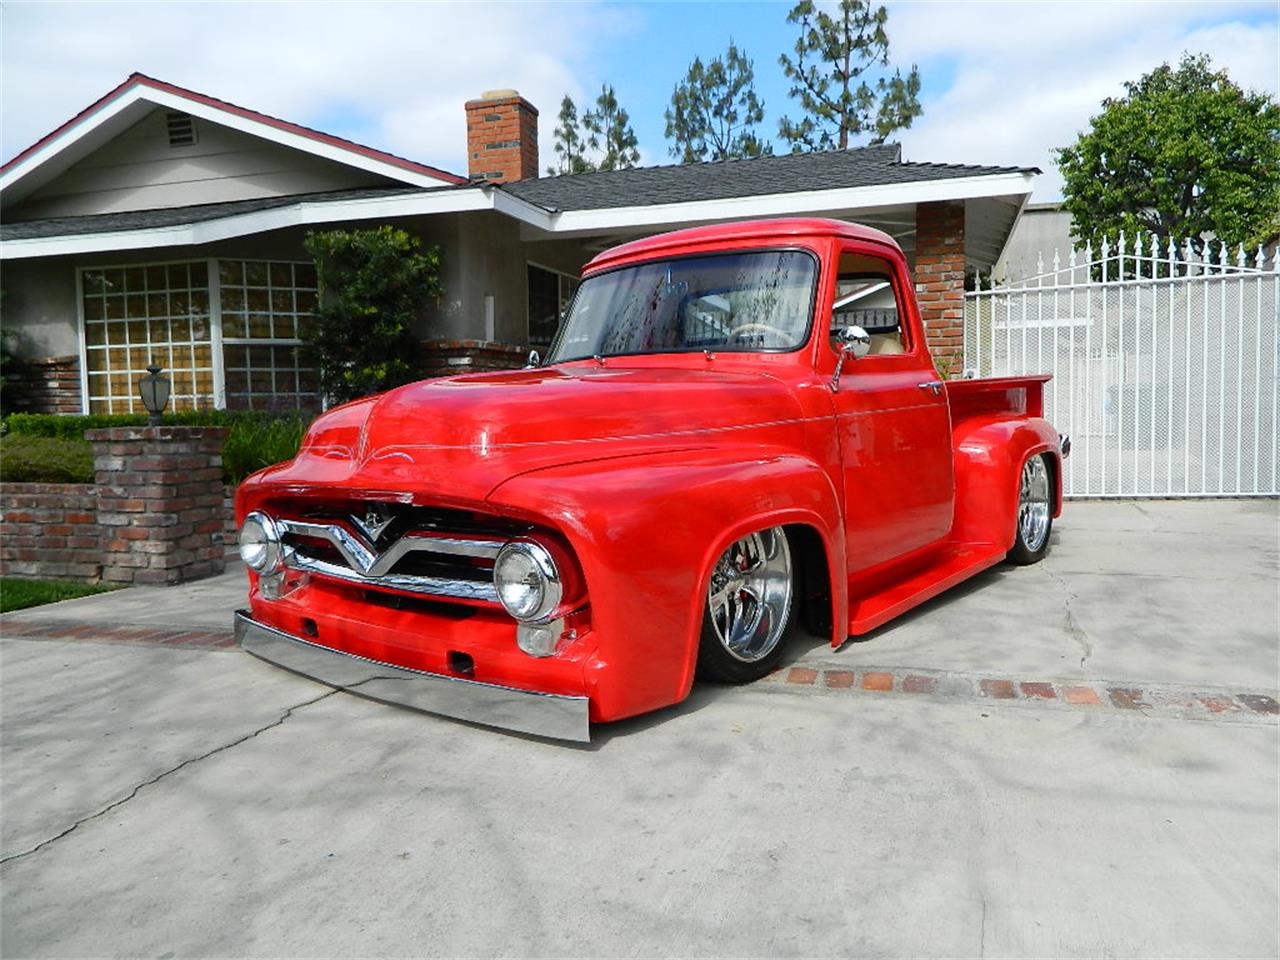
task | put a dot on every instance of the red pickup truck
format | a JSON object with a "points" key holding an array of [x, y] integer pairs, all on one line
{"points": [[738, 432]]}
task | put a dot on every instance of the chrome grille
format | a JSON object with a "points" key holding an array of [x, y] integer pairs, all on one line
{"points": [[429, 562]]}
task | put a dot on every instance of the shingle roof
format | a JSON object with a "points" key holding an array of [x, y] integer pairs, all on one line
{"points": [[788, 173], [198, 213]]}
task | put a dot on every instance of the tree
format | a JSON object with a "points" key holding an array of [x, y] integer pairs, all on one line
{"points": [[837, 79], [1183, 154], [714, 110], [609, 131], [569, 142], [373, 284]]}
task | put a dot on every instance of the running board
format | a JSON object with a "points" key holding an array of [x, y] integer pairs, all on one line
{"points": [[951, 566]]}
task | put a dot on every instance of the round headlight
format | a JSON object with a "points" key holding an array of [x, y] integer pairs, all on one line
{"points": [[527, 580], [260, 543]]}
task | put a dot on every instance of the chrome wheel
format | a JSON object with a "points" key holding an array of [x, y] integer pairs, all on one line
{"points": [[749, 597], [1033, 504]]}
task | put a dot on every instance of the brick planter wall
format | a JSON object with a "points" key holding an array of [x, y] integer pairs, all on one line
{"points": [[446, 358], [50, 530], [939, 276], [154, 515]]}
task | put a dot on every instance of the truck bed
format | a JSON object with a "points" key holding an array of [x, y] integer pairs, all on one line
{"points": [[1018, 396]]}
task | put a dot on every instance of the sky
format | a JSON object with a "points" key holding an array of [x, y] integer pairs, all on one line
{"points": [[1002, 83]]}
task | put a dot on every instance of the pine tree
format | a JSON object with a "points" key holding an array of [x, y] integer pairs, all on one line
{"points": [[569, 142], [714, 110], [609, 131]]}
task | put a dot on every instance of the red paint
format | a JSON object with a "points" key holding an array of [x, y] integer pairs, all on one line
{"points": [[644, 468], [141, 80]]}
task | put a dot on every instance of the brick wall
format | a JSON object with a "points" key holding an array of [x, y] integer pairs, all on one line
{"points": [[45, 385], [502, 137], [939, 275], [50, 530], [155, 513], [445, 358]]}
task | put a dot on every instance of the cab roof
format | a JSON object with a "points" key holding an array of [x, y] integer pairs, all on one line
{"points": [[781, 228]]}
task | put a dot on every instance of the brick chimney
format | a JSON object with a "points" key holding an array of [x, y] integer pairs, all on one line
{"points": [[502, 137]]}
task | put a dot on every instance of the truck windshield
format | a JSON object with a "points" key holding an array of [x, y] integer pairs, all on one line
{"points": [[757, 301]]}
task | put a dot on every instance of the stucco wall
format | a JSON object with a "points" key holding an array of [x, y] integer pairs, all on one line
{"points": [[482, 255], [139, 170]]}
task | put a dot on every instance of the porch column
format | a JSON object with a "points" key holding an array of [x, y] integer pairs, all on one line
{"points": [[939, 275]]}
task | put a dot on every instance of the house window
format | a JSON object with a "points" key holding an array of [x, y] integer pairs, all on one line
{"points": [[549, 294], [265, 308], [134, 316], [227, 333]]}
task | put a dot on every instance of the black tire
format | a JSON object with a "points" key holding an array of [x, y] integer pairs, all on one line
{"points": [[1031, 530], [717, 660]]}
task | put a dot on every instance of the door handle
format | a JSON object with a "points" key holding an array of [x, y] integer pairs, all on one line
{"points": [[934, 386]]}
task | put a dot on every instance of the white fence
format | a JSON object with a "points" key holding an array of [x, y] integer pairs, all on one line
{"points": [[1165, 363]]}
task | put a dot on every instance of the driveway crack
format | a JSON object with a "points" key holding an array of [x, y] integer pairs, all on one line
{"points": [[1069, 621], [160, 776]]}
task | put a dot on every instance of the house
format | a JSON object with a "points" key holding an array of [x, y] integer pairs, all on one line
{"points": [[161, 223]]}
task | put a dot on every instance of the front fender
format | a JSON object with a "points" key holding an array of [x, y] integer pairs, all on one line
{"points": [[647, 531], [989, 454]]}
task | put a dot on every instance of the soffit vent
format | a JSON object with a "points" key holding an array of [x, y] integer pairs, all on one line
{"points": [[182, 129]]}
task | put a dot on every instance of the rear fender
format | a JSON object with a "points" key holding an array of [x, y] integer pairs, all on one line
{"points": [[647, 530], [989, 454]]}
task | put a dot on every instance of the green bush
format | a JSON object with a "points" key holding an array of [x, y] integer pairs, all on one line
{"points": [[28, 459], [255, 439]]}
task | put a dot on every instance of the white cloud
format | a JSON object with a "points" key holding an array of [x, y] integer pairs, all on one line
{"points": [[397, 72], [1029, 76]]}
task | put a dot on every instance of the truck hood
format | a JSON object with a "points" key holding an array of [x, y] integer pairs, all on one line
{"points": [[457, 438]]}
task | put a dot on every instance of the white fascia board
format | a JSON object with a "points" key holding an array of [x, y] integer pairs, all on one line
{"points": [[169, 101], [67, 139], [260, 221], [793, 204]]}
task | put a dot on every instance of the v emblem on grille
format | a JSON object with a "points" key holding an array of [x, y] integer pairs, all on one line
{"points": [[375, 520]]}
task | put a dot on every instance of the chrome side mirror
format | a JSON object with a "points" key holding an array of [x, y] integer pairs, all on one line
{"points": [[534, 360], [854, 342]]}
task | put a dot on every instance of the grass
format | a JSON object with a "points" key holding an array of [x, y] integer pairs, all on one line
{"points": [[17, 593]]}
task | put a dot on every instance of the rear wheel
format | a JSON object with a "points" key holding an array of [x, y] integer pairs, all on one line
{"points": [[1035, 512], [750, 609]]}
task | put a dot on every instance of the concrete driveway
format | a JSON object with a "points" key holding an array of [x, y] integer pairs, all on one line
{"points": [[164, 795]]}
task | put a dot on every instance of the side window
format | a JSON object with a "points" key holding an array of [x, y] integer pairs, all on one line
{"points": [[865, 298]]}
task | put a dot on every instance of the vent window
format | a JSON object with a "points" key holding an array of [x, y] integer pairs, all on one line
{"points": [[182, 129]]}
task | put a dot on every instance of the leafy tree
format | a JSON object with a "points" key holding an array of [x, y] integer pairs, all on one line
{"points": [[569, 142], [609, 131], [373, 284], [714, 110], [837, 78], [1184, 153]]}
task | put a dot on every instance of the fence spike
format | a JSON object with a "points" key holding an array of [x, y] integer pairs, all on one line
{"points": [[1240, 257], [1172, 256], [1189, 255], [1259, 258], [1222, 255], [1071, 261]]}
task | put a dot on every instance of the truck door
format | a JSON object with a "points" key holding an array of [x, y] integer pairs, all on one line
{"points": [[892, 419]]}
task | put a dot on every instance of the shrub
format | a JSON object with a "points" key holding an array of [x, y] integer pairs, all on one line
{"points": [[255, 439], [28, 459], [373, 284]]}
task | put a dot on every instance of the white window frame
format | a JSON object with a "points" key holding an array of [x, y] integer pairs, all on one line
{"points": [[216, 339]]}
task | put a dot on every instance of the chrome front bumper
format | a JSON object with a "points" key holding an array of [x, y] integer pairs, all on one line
{"points": [[542, 714]]}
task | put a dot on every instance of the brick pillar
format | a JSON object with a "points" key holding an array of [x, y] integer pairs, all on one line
{"points": [[940, 281], [160, 499]]}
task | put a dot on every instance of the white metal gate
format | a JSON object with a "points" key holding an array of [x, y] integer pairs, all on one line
{"points": [[1165, 363]]}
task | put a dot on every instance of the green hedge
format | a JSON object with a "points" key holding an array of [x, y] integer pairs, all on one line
{"points": [[255, 440], [27, 459]]}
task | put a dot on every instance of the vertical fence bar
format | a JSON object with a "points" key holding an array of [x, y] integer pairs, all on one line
{"points": [[1088, 368], [1222, 363], [1240, 284], [1172, 253], [1275, 366], [1186, 407], [1104, 370], [1155, 355], [1257, 375], [1120, 373]]}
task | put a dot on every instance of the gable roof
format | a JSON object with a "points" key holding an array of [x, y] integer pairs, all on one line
{"points": [[721, 180], [111, 114]]}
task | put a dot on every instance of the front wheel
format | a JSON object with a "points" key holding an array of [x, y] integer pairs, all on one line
{"points": [[750, 609], [1035, 513]]}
